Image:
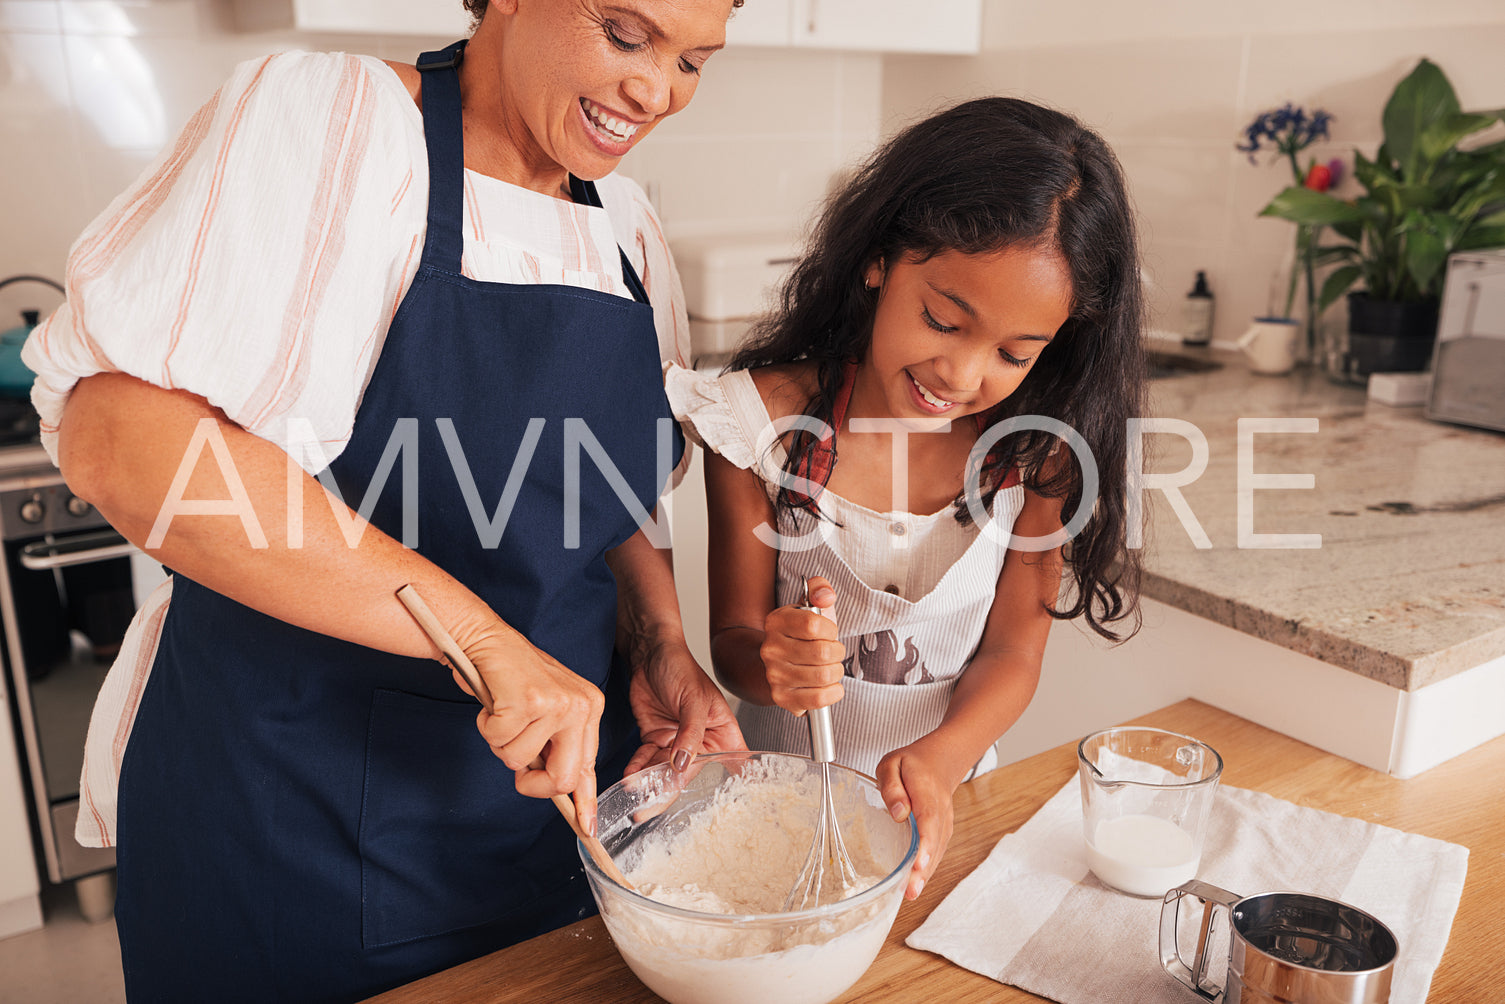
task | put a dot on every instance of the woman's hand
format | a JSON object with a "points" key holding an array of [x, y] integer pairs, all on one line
{"points": [[538, 708], [801, 654], [679, 710], [912, 779]]}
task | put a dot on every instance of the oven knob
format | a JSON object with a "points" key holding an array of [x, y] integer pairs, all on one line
{"points": [[77, 506], [32, 510]]}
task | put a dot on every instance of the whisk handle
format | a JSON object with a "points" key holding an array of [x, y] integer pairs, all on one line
{"points": [[822, 735]]}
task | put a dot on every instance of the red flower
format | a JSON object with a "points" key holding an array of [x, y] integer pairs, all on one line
{"points": [[1319, 178]]}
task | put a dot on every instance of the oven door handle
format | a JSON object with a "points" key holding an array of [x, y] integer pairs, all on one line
{"points": [[75, 549]]}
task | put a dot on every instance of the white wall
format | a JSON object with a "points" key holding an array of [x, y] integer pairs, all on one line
{"points": [[1171, 85]]}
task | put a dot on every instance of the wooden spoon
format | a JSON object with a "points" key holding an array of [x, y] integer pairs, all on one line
{"points": [[454, 656]]}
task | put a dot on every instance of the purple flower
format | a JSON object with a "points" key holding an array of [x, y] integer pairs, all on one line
{"points": [[1287, 129]]}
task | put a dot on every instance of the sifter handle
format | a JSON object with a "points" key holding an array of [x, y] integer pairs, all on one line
{"points": [[1213, 900]]}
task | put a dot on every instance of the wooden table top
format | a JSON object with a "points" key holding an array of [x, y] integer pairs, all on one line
{"points": [[1459, 801]]}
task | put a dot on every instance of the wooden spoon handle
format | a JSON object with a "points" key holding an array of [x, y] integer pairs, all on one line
{"points": [[456, 657]]}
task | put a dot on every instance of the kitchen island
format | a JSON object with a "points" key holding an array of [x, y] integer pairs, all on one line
{"points": [[1384, 642], [1457, 801]]}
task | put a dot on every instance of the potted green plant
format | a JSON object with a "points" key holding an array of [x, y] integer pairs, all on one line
{"points": [[1424, 197]]}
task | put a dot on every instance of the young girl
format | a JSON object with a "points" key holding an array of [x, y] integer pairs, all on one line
{"points": [[981, 266]]}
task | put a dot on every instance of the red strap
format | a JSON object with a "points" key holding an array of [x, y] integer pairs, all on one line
{"points": [[817, 464]]}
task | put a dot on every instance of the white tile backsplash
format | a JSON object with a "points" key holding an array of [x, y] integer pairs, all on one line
{"points": [[44, 176], [130, 17], [90, 90], [1171, 85], [766, 132], [1025, 23], [29, 16]]}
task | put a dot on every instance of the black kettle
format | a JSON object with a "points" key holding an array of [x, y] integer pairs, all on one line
{"points": [[15, 378]]}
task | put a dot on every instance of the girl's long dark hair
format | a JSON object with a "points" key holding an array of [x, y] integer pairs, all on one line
{"points": [[983, 176]]}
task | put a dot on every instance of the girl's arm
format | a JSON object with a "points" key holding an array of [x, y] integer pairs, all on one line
{"points": [[992, 693], [761, 652], [121, 444]]}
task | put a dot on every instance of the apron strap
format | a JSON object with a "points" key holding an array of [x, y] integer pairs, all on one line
{"points": [[445, 140], [584, 192]]}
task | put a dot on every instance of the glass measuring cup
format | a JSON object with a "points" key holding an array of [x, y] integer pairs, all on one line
{"points": [[1146, 795]]}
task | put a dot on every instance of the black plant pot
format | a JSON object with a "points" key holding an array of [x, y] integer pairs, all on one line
{"points": [[1390, 336]]}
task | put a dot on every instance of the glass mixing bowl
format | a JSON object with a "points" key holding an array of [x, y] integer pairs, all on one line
{"points": [[687, 956]]}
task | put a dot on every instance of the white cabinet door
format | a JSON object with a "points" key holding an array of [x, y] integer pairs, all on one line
{"points": [[394, 17], [762, 22], [446, 18], [941, 26], [946, 26]]}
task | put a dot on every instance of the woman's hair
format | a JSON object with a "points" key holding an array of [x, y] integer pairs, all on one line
{"points": [[985, 176], [478, 8]]}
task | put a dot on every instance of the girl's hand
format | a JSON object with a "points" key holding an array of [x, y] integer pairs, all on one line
{"points": [[679, 710], [801, 654], [911, 781]]}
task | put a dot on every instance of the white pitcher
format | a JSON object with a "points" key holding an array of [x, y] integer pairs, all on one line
{"points": [[1270, 345]]}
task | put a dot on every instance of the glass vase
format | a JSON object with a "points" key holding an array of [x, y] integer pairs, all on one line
{"points": [[1290, 297]]}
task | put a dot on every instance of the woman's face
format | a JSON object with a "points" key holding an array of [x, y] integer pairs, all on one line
{"points": [[583, 81], [956, 334]]}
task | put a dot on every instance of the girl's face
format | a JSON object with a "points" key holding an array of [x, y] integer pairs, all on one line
{"points": [[956, 334], [586, 80]]}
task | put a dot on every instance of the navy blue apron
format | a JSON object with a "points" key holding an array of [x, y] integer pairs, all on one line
{"points": [[304, 819]]}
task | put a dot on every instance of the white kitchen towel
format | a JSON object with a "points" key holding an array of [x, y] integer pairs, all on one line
{"points": [[1033, 916]]}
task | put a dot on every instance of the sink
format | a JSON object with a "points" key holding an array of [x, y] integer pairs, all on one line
{"points": [[1169, 364]]}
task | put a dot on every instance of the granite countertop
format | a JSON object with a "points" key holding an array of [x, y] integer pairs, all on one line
{"points": [[1408, 585]]}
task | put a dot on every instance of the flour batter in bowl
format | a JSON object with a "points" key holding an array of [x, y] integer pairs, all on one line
{"points": [[713, 858]]}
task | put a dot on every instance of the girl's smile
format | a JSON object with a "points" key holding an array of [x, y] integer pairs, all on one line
{"points": [[928, 401], [957, 333]]}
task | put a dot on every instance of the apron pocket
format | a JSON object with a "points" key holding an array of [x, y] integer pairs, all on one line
{"points": [[446, 842]]}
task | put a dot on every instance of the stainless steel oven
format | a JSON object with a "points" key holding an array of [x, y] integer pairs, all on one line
{"points": [[66, 599]]}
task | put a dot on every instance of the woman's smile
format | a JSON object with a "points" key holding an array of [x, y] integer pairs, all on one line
{"points": [[569, 87], [612, 133]]}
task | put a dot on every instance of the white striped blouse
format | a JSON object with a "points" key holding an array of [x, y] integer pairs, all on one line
{"points": [[258, 262]]}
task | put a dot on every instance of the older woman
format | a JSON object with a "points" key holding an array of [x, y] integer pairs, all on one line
{"points": [[394, 287]]}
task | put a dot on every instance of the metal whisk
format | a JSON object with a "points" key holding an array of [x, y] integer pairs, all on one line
{"points": [[828, 852]]}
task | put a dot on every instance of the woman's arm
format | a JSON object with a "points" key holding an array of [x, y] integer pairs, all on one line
{"points": [[992, 693], [121, 444], [763, 653], [679, 710]]}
